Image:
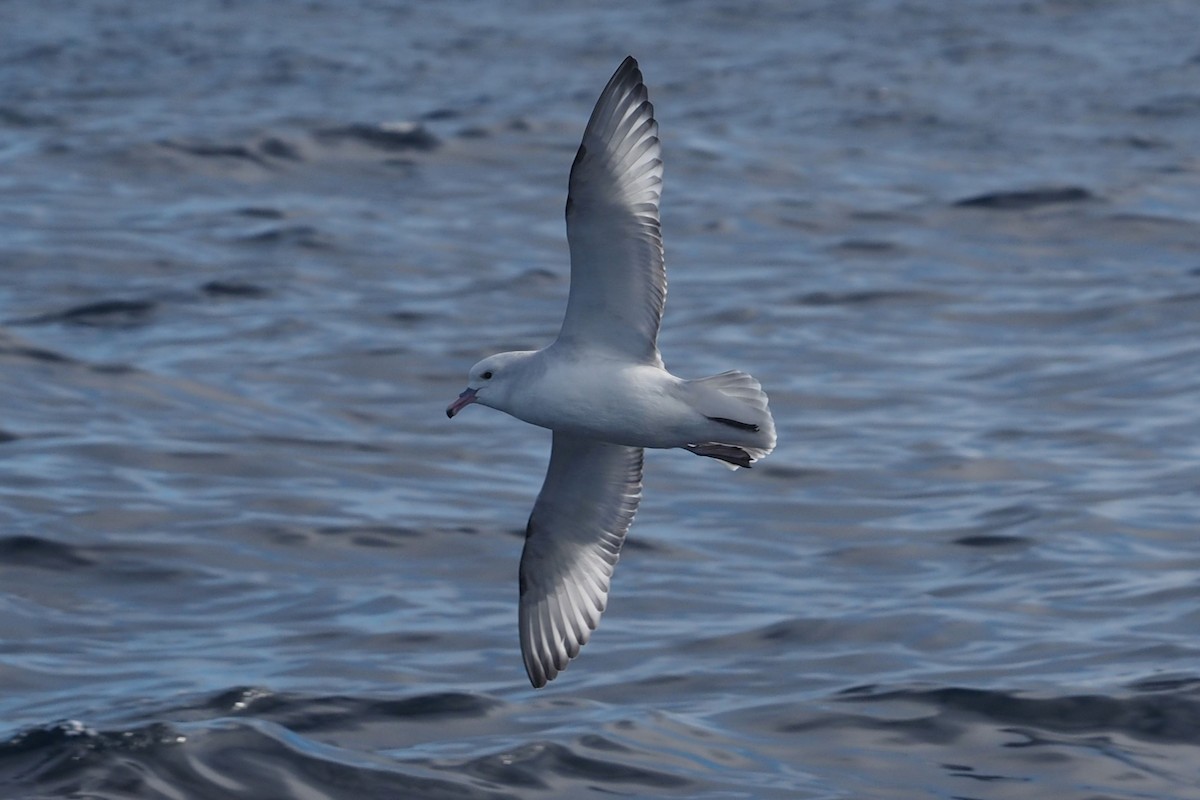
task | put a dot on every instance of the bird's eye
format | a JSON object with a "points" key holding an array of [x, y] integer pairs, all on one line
{"points": [[487, 376]]}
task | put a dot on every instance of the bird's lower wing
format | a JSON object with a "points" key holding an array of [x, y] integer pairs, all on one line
{"points": [[572, 543]]}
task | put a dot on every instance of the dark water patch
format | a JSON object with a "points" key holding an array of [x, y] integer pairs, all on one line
{"points": [[536, 277], [35, 53], [307, 713], [373, 535], [868, 247], [218, 288], [1165, 717], [137, 570], [539, 275], [865, 297], [1046, 319], [473, 132], [1183, 297], [505, 769], [792, 630], [440, 705], [1025, 199], [892, 119], [1138, 141], [1172, 105], [789, 473], [931, 730], [35, 354], [408, 317], [1189, 684], [306, 236], [439, 114], [535, 765], [986, 540], [6, 436], [35, 551], [113, 369], [1148, 227], [287, 537], [391, 136], [247, 760], [56, 760], [729, 316], [121, 564], [16, 118], [1081, 437], [239, 152], [788, 633], [276, 147], [965, 771], [261, 212], [101, 314], [884, 215]]}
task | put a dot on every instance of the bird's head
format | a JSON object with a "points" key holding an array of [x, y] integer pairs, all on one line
{"points": [[491, 381]]}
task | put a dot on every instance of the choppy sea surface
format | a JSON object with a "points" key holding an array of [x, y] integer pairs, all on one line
{"points": [[248, 252]]}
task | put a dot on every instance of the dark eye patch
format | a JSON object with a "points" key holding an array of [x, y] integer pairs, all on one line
{"points": [[487, 376]]}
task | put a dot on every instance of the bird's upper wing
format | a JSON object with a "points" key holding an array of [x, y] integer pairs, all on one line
{"points": [[572, 544], [618, 281]]}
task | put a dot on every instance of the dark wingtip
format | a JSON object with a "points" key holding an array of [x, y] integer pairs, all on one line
{"points": [[629, 69], [539, 672]]}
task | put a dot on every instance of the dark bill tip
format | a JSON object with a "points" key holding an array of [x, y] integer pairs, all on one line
{"points": [[465, 399]]}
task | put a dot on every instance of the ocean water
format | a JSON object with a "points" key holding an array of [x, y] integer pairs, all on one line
{"points": [[248, 252]]}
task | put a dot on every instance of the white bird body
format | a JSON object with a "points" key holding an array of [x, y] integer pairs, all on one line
{"points": [[602, 387], [601, 397]]}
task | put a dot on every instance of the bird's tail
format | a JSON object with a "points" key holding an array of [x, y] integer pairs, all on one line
{"points": [[738, 404]]}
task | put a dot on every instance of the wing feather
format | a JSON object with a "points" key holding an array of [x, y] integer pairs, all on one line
{"points": [[572, 544], [618, 277]]}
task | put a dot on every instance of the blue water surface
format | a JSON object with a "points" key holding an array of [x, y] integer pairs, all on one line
{"points": [[248, 252]]}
